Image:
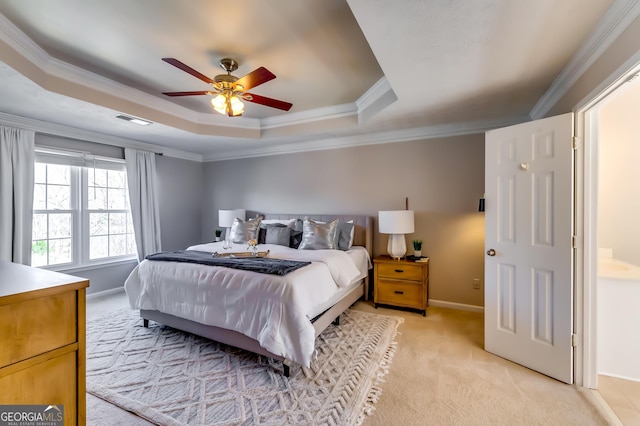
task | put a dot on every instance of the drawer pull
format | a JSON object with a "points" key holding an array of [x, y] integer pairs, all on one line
{"points": [[398, 292], [399, 270]]}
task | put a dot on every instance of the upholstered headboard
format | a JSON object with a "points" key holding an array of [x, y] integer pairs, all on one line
{"points": [[363, 225]]}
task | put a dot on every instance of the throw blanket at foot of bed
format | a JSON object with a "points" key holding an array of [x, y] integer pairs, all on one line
{"points": [[261, 265]]}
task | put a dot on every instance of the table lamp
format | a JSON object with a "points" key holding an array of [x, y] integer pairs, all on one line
{"points": [[396, 223], [226, 217]]}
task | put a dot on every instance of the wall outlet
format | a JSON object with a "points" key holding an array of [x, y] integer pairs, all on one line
{"points": [[476, 283]]}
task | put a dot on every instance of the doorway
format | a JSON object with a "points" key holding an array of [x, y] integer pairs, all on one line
{"points": [[600, 208]]}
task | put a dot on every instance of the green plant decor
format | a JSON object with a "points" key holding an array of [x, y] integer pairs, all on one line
{"points": [[417, 244], [218, 232]]}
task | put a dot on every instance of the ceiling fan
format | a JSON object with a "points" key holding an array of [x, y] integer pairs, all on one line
{"points": [[230, 90]]}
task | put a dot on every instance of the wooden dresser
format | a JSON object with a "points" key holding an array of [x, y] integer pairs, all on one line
{"points": [[42, 339], [401, 283]]}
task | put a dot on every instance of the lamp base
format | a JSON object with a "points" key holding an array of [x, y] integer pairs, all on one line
{"points": [[397, 246]]}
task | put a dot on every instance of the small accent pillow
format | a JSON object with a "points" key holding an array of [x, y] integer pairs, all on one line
{"points": [[318, 236], [286, 222], [241, 231], [262, 233], [296, 239], [278, 235], [344, 236]]}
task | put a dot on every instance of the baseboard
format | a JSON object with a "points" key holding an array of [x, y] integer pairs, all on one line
{"points": [[459, 306], [105, 293], [597, 401]]}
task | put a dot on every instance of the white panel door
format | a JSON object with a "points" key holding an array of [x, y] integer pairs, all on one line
{"points": [[529, 228]]}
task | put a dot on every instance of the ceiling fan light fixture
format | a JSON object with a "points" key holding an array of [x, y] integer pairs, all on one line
{"points": [[219, 103], [228, 104], [237, 107]]}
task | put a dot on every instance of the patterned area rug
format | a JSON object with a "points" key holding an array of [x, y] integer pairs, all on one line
{"points": [[174, 378]]}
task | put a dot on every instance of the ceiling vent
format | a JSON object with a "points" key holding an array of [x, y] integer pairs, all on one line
{"points": [[135, 120]]}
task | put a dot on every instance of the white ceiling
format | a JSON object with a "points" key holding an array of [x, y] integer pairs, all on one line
{"points": [[356, 71]]}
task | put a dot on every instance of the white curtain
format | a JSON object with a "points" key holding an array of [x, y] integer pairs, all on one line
{"points": [[143, 195], [17, 157]]}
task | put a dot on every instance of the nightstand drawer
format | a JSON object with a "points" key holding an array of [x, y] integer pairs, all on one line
{"points": [[400, 271], [401, 294]]}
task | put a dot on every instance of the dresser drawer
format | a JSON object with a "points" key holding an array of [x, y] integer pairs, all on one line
{"points": [[400, 294], [53, 381], [400, 271], [36, 326]]}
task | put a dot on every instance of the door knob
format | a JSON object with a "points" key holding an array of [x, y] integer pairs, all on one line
{"points": [[491, 252]]}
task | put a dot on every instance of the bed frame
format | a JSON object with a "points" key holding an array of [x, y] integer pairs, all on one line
{"points": [[363, 235]]}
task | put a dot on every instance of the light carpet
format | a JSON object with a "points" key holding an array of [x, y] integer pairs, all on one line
{"points": [[174, 378]]}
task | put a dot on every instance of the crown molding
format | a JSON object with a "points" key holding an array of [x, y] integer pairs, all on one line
{"points": [[90, 136], [22, 44], [617, 18], [375, 92], [407, 135], [378, 97], [310, 116]]}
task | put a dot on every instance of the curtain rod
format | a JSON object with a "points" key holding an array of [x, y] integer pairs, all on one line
{"points": [[88, 154]]}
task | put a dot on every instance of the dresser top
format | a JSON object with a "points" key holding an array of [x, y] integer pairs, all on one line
{"points": [[27, 282]]}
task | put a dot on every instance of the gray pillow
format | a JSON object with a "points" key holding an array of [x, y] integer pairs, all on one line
{"points": [[343, 236], [278, 235], [318, 236], [296, 239], [262, 232], [241, 231]]}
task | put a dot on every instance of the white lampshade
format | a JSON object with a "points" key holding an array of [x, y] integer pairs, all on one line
{"points": [[225, 217], [396, 223]]}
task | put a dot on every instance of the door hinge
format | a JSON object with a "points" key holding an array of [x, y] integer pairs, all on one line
{"points": [[575, 142], [575, 241], [574, 340]]}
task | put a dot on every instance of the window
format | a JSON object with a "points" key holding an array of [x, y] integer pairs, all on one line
{"points": [[110, 225], [53, 216], [81, 213]]}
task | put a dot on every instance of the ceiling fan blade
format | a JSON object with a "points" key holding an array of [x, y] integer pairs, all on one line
{"points": [[199, 92], [186, 68], [270, 102], [255, 78]]}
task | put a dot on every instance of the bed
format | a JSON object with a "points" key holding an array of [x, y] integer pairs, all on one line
{"points": [[270, 315]]}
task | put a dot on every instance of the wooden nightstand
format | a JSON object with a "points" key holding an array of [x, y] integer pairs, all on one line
{"points": [[401, 283]]}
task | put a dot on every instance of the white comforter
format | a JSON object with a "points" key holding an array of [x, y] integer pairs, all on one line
{"points": [[268, 308]]}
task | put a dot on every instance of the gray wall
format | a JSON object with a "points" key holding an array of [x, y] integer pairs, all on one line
{"points": [[180, 199], [443, 179]]}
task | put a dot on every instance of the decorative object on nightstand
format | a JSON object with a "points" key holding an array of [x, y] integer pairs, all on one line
{"points": [[401, 283], [218, 234], [225, 219], [396, 223], [417, 248]]}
